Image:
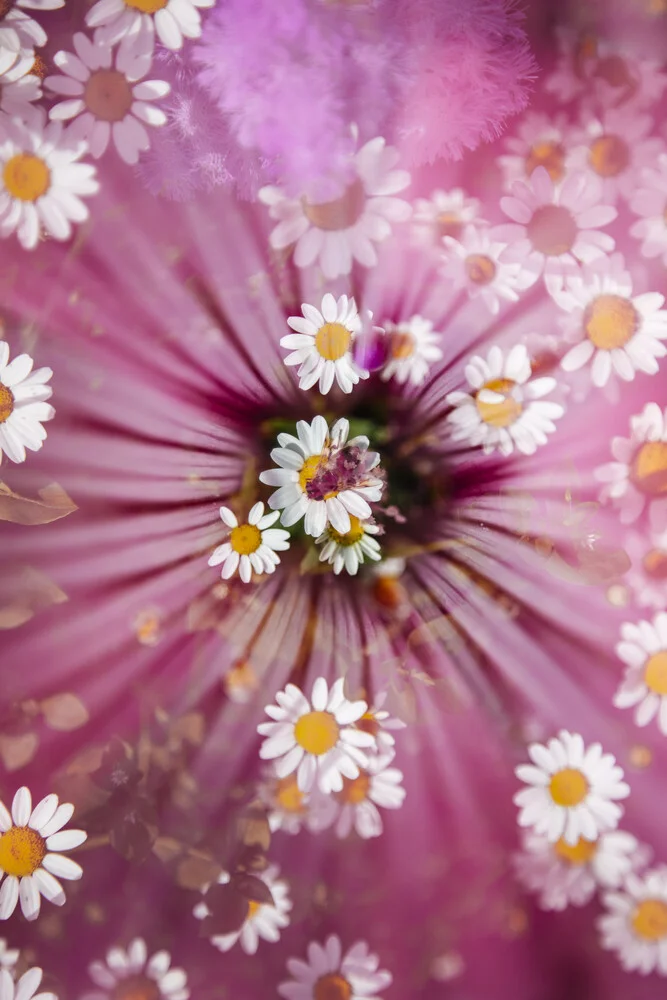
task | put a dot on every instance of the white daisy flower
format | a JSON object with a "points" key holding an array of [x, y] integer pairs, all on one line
{"points": [[565, 874], [644, 651], [506, 409], [649, 200], [355, 807], [555, 228], [616, 147], [639, 474], [19, 89], [338, 231], [131, 972], [24, 988], [647, 575], [573, 790], [328, 975], [20, 33], [8, 956], [263, 921], [104, 99], [635, 924], [445, 213], [475, 262], [23, 406], [347, 550], [30, 842], [322, 344], [412, 347], [288, 808], [377, 720], [316, 739], [41, 182], [614, 330], [252, 546], [323, 477], [136, 22], [541, 141]]}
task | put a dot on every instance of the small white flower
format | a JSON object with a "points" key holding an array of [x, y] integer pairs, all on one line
{"points": [[573, 790], [616, 147], [316, 739], [639, 474], [136, 22], [644, 651], [263, 921], [328, 975], [29, 840], [41, 182], [104, 98], [569, 874], [25, 987], [347, 550], [614, 330], [346, 227], [323, 477], [412, 349], [647, 576], [555, 228], [377, 720], [322, 344], [541, 141], [146, 976], [23, 406], [445, 213], [506, 409], [476, 263], [358, 805], [635, 924], [288, 807], [252, 546], [649, 200]]}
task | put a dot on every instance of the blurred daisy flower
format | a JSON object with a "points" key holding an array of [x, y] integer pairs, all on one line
{"points": [[647, 575], [637, 476], [445, 213], [132, 970], [264, 921], [328, 973], [136, 22], [476, 263], [648, 200], [23, 406], [541, 140], [635, 923], [644, 651], [322, 344], [358, 806], [412, 347]]}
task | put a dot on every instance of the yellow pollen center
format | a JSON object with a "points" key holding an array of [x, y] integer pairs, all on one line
{"points": [[146, 6], [339, 214], [309, 470], [655, 564], [351, 537], [245, 539], [39, 67], [649, 468], [655, 673], [355, 790], [108, 95], [576, 854], [649, 919], [449, 224], [480, 269], [401, 345], [505, 411], [6, 402], [552, 230], [551, 156], [21, 851], [332, 341], [253, 907], [316, 732], [26, 177], [568, 787], [135, 988], [289, 796], [332, 987], [609, 156], [610, 321]]}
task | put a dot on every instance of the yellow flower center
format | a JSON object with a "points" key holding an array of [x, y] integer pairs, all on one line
{"points": [[551, 156], [135, 988], [26, 177], [401, 345], [351, 537], [655, 564], [505, 411], [610, 321], [609, 156], [289, 796], [253, 907], [245, 539], [568, 787], [146, 6], [309, 470], [552, 230], [449, 224], [316, 732], [355, 790], [339, 214], [480, 269], [649, 919], [6, 6], [332, 987], [655, 673], [649, 468], [6, 402], [368, 723], [332, 341], [21, 851], [39, 67], [576, 854], [108, 95]]}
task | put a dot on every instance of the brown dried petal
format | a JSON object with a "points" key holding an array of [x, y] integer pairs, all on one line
{"points": [[64, 712], [25, 592], [252, 888], [196, 871], [17, 751], [54, 504]]}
